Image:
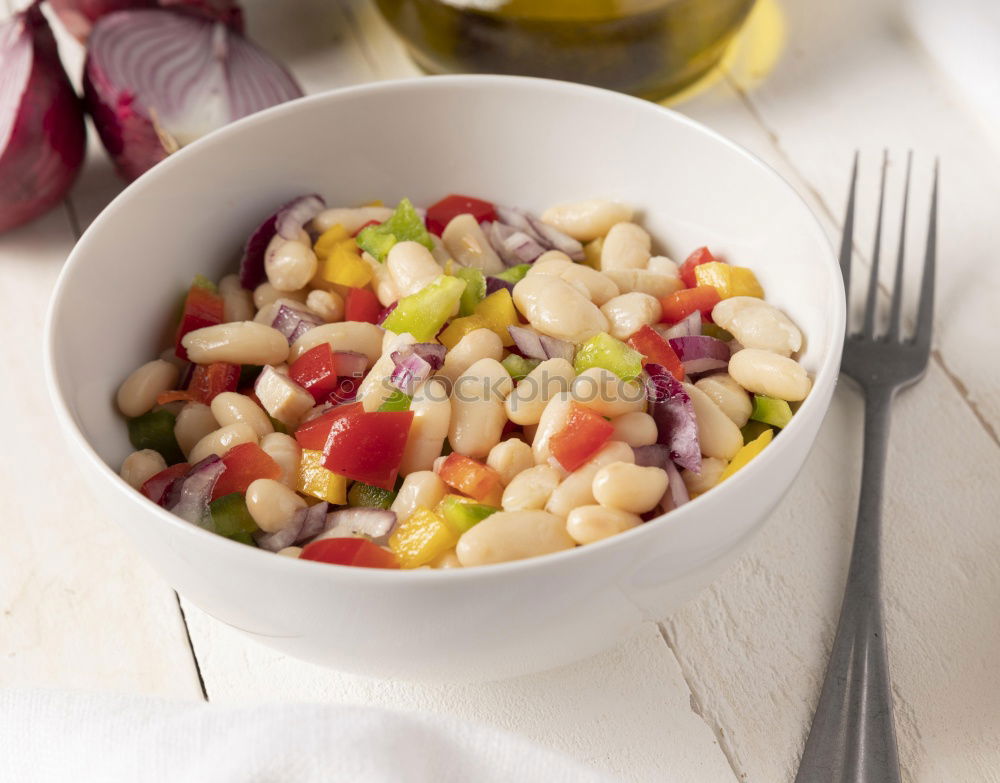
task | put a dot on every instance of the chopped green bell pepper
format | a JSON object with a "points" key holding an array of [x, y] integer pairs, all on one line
{"points": [[230, 518], [518, 366], [366, 495], [475, 288], [603, 350], [201, 281], [155, 430], [397, 401], [514, 274], [716, 331], [424, 313], [771, 411], [404, 225], [753, 430], [461, 514]]}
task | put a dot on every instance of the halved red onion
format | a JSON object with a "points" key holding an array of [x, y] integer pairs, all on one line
{"points": [[293, 322], [42, 132], [689, 327], [78, 16], [155, 80], [701, 353], [673, 411], [374, 523], [292, 217], [190, 499]]}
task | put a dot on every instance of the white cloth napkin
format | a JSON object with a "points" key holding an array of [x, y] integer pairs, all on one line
{"points": [[78, 738]]}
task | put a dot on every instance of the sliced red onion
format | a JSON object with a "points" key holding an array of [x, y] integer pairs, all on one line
{"points": [[374, 523], [313, 521], [155, 80], [494, 284], [190, 500], [42, 132], [411, 370], [279, 539], [517, 219], [689, 327], [292, 217], [658, 456], [252, 272], [385, 313], [432, 353], [557, 349], [652, 456], [673, 411], [556, 239], [293, 322], [528, 342], [511, 244], [351, 364], [78, 16], [700, 353]]}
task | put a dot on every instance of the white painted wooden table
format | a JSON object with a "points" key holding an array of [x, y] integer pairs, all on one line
{"points": [[722, 691]]}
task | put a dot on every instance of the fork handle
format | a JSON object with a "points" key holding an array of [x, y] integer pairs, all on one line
{"points": [[853, 739]]}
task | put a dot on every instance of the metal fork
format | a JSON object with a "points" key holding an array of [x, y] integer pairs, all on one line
{"points": [[853, 739]]}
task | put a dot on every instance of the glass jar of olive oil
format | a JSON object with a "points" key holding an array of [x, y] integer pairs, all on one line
{"points": [[649, 48]]}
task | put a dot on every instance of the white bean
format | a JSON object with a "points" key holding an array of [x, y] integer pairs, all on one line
{"points": [[290, 551], [431, 408], [440, 252], [644, 281], [477, 408], [412, 267], [233, 408], [607, 394], [510, 457], [661, 265], [711, 472], [344, 336], [717, 435], [551, 262], [577, 489], [469, 246], [272, 505], [289, 264], [530, 489], [140, 466], [635, 429], [422, 489], [587, 220], [477, 344], [241, 342], [589, 524], [532, 394], [558, 309], [512, 535], [375, 388], [284, 450], [137, 395], [350, 219], [382, 282], [731, 398], [193, 423], [628, 313], [629, 487], [282, 397], [627, 246], [599, 287], [757, 324], [221, 441], [552, 420], [237, 302], [446, 560], [265, 294], [328, 305], [763, 372]]}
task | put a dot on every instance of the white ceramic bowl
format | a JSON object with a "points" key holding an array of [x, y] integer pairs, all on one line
{"points": [[516, 141]]}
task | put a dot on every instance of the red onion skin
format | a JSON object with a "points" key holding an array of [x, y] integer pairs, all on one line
{"points": [[47, 142], [78, 16]]}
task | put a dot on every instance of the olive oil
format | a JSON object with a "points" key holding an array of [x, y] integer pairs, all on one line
{"points": [[649, 48]]}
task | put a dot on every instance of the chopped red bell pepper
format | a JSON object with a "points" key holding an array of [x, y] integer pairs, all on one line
{"points": [[656, 350], [244, 464], [316, 372], [362, 305], [584, 434], [350, 552], [363, 446], [156, 486], [441, 213], [700, 256], [207, 382], [363, 226], [680, 304], [469, 476], [202, 308], [312, 435]]}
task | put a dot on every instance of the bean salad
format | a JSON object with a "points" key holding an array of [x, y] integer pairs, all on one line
{"points": [[457, 386]]}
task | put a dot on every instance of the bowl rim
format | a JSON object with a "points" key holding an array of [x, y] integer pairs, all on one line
{"points": [[826, 374]]}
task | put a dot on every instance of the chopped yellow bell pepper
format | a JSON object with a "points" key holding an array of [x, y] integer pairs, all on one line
{"points": [[498, 311], [460, 327], [421, 537], [329, 239], [345, 266], [747, 453], [317, 481], [728, 280], [592, 253]]}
